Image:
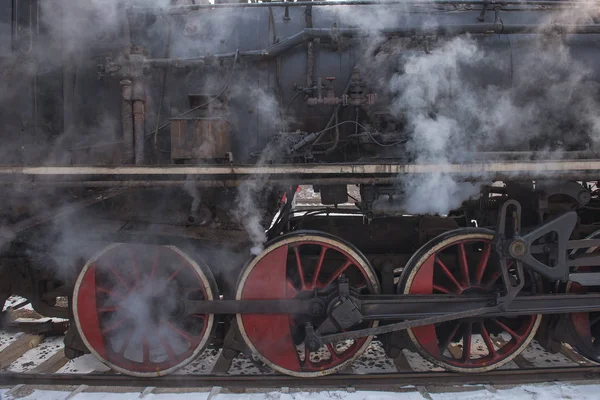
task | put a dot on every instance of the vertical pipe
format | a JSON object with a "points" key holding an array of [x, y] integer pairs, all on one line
{"points": [[127, 122], [139, 131], [310, 57], [139, 117]]}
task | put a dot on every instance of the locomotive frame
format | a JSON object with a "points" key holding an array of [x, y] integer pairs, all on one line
{"points": [[526, 276]]}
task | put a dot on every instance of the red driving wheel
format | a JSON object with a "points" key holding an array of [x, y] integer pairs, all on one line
{"points": [[585, 326], [462, 262], [292, 267], [128, 308]]}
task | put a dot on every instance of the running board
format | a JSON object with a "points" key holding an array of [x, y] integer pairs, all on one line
{"points": [[299, 173]]}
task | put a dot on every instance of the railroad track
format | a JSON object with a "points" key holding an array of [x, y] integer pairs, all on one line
{"points": [[386, 380], [30, 359]]}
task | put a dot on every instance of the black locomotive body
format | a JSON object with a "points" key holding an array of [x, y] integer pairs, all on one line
{"points": [[153, 153]]}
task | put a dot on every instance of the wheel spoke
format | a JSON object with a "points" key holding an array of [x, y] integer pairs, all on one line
{"points": [[594, 321], [113, 295], [493, 279], [512, 333], [306, 355], [134, 267], [145, 350], [488, 341], [170, 352], [444, 345], [154, 264], [180, 332], [441, 289], [290, 289], [466, 354], [176, 272], [464, 265], [331, 350], [339, 272], [127, 341], [483, 262], [448, 273], [119, 277], [113, 326], [299, 266], [319, 265]]}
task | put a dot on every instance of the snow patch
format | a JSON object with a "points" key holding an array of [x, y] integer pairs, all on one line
{"points": [[202, 365], [535, 354], [418, 363], [373, 360], [7, 338], [84, 365], [34, 357], [14, 300]]}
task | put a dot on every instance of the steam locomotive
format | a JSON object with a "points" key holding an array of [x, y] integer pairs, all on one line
{"points": [[152, 152]]}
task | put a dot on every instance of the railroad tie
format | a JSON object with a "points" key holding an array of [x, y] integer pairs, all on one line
{"points": [[146, 392], [52, 364], [568, 351], [214, 392], [13, 391], [490, 388], [423, 392], [401, 363], [16, 349], [78, 390]]}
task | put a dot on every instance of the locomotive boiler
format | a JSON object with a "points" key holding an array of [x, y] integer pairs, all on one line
{"points": [[153, 150]]}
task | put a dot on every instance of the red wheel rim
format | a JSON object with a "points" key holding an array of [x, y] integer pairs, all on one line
{"points": [[285, 271], [586, 325], [462, 267], [128, 308]]}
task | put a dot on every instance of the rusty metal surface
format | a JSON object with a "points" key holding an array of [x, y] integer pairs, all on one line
{"points": [[379, 381], [200, 139]]}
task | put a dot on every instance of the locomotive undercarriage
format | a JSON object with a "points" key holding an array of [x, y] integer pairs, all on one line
{"points": [[164, 241], [329, 280]]}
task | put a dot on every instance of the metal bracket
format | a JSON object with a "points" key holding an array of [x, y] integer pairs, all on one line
{"points": [[314, 341], [343, 316], [521, 247], [512, 288]]}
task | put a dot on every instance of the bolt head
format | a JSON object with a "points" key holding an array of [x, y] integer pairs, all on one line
{"points": [[316, 308], [517, 248]]}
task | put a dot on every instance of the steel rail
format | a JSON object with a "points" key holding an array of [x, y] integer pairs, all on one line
{"points": [[381, 381]]}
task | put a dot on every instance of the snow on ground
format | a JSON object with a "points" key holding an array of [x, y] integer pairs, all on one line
{"points": [[83, 365], [558, 391], [202, 365], [248, 365], [535, 354], [14, 300], [7, 338], [418, 363], [373, 360], [34, 357]]}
